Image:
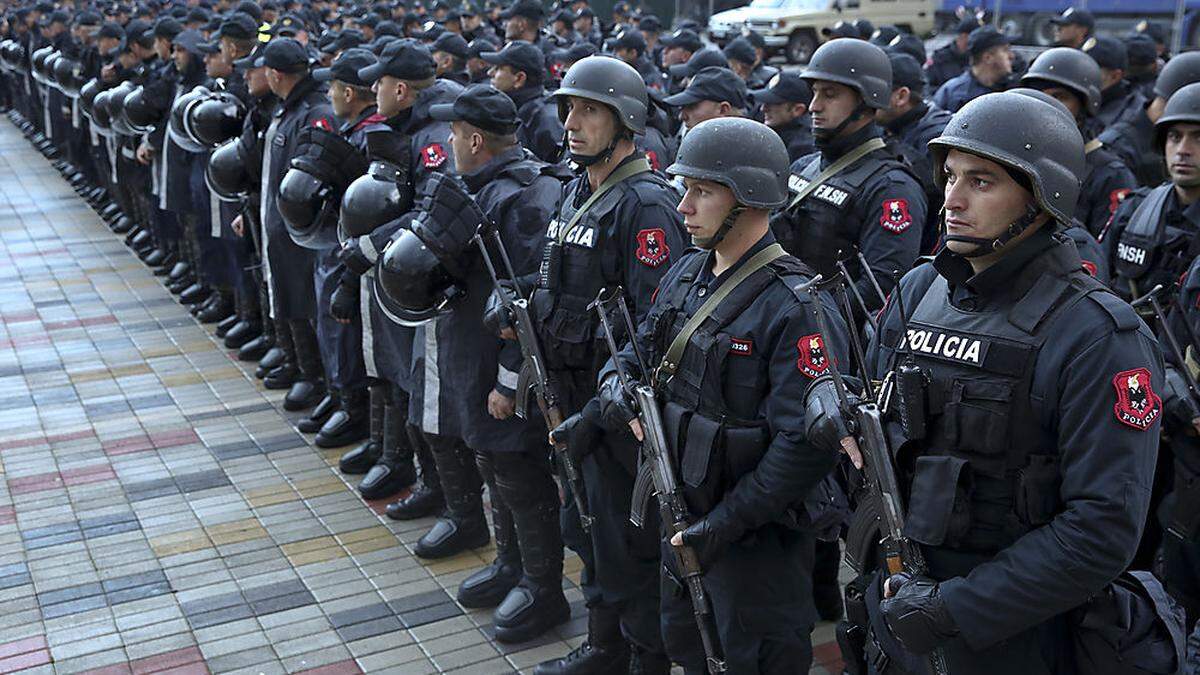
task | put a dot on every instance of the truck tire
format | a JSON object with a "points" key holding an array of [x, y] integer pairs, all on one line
{"points": [[1039, 31], [800, 46]]}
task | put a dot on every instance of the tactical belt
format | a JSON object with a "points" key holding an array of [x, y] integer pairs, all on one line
{"points": [[758, 261], [842, 162], [639, 165]]}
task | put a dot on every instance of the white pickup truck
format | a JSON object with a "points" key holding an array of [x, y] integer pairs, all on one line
{"points": [[793, 27]]}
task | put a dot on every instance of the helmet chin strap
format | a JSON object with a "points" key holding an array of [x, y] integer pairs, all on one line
{"points": [[824, 137], [709, 243], [983, 245]]}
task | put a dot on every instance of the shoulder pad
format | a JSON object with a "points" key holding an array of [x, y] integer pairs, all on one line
{"points": [[1123, 316], [790, 266], [523, 171]]}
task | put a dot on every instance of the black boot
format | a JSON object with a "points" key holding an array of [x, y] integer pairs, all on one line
{"points": [[362, 458], [605, 651], [537, 604], [642, 662], [194, 294], [394, 470], [463, 527], [226, 324], [348, 424], [248, 326], [221, 308], [321, 412], [156, 258], [426, 498], [489, 586], [309, 388], [282, 376], [279, 353]]}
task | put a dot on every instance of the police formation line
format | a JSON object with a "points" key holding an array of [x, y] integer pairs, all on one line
{"points": [[947, 335]]}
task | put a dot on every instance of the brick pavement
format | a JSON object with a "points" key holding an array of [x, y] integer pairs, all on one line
{"points": [[159, 513]]}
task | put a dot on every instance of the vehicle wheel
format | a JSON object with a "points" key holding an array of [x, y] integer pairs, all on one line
{"points": [[800, 46], [1039, 31]]}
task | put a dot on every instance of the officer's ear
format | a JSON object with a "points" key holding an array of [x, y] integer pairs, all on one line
{"points": [[799, 109], [724, 108], [519, 78]]}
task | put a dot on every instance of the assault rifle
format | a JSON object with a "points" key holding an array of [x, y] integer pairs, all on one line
{"points": [[657, 470], [865, 422], [534, 377]]}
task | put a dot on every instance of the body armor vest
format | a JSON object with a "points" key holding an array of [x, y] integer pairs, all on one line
{"points": [[711, 403], [982, 436], [573, 270], [1151, 250], [821, 225]]}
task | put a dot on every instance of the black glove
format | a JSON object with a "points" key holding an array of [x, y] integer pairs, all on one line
{"points": [[353, 258], [708, 539], [343, 305], [916, 614], [1180, 407], [578, 433], [825, 423], [616, 408], [495, 316]]}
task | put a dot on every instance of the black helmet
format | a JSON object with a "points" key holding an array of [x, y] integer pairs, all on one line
{"points": [[116, 108], [48, 64], [1069, 68], [227, 174], [37, 62], [176, 125], [68, 73], [1183, 106], [87, 95], [746, 156], [309, 209], [139, 114], [101, 121], [1183, 69], [216, 118], [1023, 134], [610, 81], [424, 267], [380, 196], [859, 65]]}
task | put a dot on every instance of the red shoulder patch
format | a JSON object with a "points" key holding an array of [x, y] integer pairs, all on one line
{"points": [[1137, 404], [652, 157], [322, 123], [1089, 267], [433, 156], [652, 249], [741, 346], [1115, 197], [813, 360], [895, 217]]}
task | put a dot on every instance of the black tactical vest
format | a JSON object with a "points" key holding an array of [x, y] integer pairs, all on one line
{"points": [[1152, 251], [711, 403], [982, 432], [821, 225]]}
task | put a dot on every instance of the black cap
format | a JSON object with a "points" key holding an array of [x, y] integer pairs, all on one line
{"points": [[198, 15], [705, 58], [585, 13], [967, 24], [629, 39], [712, 84], [88, 18], [250, 9], [519, 55], [576, 52], [565, 15], [1142, 50], [371, 20], [139, 31], [288, 25], [451, 43], [388, 28], [1151, 29], [865, 28], [1107, 52], [984, 38], [251, 60], [238, 26], [841, 29], [111, 29], [346, 67], [480, 105], [1075, 17], [347, 39], [380, 43], [211, 47], [884, 35], [755, 39], [530, 9], [167, 27], [189, 39], [58, 17], [432, 30], [907, 43], [784, 87], [404, 59], [479, 46], [649, 24], [740, 50], [684, 38], [284, 54], [906, 72]]}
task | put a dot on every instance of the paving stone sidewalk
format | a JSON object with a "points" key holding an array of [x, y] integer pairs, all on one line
{"points": [[158, 510]]}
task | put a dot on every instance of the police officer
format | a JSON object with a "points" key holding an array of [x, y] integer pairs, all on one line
{"points": [[519, 71], [760, 343], [1073, 78], [451, 51], [477, 68], [1132, 137], [289, 268], [1073, 27], [784, 102], [616, 227], [630, 47], [1118, 97], [853, 194], [523, 21], [713, 92], [1143, 64], [991, 62], [518, 194], [1057, 479], [742, 58]]}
